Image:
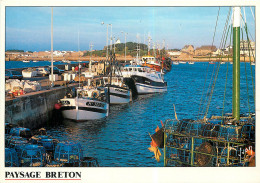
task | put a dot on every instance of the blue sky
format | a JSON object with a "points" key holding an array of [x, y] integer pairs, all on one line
{"points": [[29, 28]]}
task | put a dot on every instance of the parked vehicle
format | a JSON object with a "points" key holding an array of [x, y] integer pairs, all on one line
{"points": [[56, 70], [42, 71], [12, 74]]}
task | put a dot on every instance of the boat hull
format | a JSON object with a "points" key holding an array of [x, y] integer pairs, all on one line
{"points": [[119, 95], [82, 109], [147, 86]]}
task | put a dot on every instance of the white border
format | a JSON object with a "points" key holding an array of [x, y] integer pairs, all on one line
{"points": [[163, 174]]}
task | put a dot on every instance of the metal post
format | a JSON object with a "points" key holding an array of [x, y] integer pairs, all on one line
{"points": [[236, 63], [191, 151], [52, 47], [125, 46], [164, 152]]}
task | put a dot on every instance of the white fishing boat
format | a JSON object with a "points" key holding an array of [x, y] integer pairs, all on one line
{"points": [[89, 104], [191, 63], [182, 62], [119, 92], [35, 61], [175, 63], [26, 61], [222, 62], [146, 79]]}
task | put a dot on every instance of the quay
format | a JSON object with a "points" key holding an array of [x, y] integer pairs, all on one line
{"points": [[34, 109]]}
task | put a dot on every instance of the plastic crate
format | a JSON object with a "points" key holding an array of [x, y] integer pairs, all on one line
{"points": [[68, 152], [11, 158]]}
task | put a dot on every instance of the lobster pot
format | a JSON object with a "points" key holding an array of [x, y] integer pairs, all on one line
{"points": [[8, 127], [235, 154], [184, 144], [23, 132], [18, 145], [183, 125], [36, 138], [229, 132], [194, 128], [33, 156], [248, 131], [171, 125], [68, 152], [8, 138], [210, 130], [11, 158], [48, 143]]}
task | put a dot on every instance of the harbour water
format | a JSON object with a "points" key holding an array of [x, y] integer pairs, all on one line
{"points": [[20, 64], [122, 139]]}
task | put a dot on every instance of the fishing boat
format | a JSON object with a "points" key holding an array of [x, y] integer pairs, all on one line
{"points": [[119, 92], [222, 62], [226, 140], [145, 78], [211, 62], [182, 62], [191, 63], [26, 61], [151, 62], [90, 103], [175, 63]]}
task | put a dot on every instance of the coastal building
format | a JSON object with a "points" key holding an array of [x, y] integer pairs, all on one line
{"points": [[188, 49], [247, 48], [205, 50], [218, 52], [174, 53]]}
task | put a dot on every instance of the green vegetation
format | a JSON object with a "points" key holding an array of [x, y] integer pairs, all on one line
{"points": [[14, 50], [131, 49]]}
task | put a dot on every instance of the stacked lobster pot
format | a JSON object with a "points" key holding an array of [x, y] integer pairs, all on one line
{"points": [[40, 150]]}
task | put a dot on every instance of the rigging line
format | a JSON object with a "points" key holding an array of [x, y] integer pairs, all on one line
{"points": [[208, 65], [245, 69], [252, 13], [223, 43], [247, 29], [215, 71], [226, 77], [250, 61]]}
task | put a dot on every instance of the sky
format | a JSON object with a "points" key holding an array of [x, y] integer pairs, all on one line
{"points": [[74, 28]]}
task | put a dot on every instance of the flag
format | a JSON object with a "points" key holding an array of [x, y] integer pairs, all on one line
{"points": [[157, 141]]}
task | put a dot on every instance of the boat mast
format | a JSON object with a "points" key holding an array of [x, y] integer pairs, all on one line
{"points": [[236, 63], [52, 47]]}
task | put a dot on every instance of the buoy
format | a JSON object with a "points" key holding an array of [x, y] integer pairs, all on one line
{"points": [[57, 106]]}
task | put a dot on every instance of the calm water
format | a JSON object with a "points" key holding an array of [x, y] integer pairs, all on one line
{"points": [[122, 139]]}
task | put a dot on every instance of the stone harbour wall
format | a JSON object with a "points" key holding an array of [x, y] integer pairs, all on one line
{"points": [[33, 110]]}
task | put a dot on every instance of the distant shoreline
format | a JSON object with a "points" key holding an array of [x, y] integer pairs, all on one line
{"points": [[128, 58]]}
